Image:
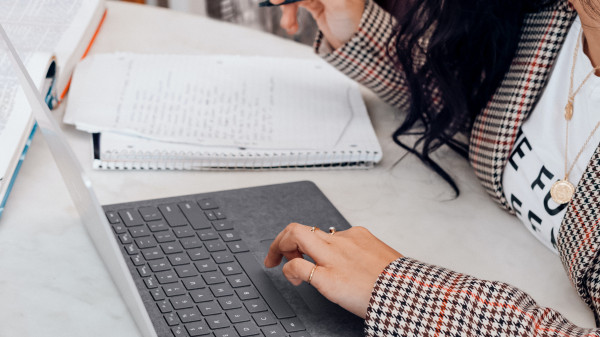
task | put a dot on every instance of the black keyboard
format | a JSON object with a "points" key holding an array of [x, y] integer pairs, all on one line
{"points": [[195, 274]]}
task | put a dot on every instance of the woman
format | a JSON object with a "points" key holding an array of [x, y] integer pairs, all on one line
{"points": [[514, 75]]}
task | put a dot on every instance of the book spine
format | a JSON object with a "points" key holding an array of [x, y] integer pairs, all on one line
{"points": [[157, 160], [17, 168]]}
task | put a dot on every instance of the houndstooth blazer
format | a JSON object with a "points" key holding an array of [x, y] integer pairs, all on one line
{"points": [[412, 298]]}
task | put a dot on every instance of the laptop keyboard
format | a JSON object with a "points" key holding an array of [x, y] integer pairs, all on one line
{"points": [[199, 274]]}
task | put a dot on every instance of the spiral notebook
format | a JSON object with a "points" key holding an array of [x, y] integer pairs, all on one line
{"points": [[220, 111]]}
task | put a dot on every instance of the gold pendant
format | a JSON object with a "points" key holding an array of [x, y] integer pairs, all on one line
{"points": [[569, 110], [562, 191]]}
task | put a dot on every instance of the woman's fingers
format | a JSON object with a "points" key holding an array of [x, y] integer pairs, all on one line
{"points": [[298, 271], [289, 18], [296, 240]]}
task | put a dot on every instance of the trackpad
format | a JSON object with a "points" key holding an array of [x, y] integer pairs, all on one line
{"points": [[316, 302]]}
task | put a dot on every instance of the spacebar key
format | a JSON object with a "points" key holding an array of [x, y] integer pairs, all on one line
{"points": [[265, 286]]}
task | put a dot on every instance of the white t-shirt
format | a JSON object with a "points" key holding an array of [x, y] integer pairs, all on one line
{"points": [[538, 156]]}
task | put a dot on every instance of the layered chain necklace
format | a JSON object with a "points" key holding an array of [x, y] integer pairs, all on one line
{"points": [[562, 191]]}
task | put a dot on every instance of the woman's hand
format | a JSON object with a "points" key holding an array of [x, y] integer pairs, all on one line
{"points": [[348, 262], [337, 19]]}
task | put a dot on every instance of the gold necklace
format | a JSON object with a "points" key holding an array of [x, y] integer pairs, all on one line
{"points": [[562, 191]]}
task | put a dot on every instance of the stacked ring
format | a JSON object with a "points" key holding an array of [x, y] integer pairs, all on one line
{"points": [[312, 272]]}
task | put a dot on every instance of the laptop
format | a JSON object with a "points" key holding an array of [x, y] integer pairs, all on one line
{"points": [[192, 265]]}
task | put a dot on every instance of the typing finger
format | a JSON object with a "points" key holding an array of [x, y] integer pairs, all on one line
{"points": [[297, 239], [298, 271]]}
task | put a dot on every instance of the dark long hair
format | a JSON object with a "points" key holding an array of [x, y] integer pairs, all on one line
{"points": [[470, 47]]}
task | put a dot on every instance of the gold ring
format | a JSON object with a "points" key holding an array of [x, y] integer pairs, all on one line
{"points": [[314, 228], [312, 272], [332, 230]]}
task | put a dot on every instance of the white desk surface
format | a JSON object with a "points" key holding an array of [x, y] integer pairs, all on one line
{"points": [[52, 282]]}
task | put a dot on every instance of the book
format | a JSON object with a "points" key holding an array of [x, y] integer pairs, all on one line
{"points": [[219, 111], [50, 36]]}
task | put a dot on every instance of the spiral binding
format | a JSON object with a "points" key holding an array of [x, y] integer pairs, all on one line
{"points": [[251, 160]]}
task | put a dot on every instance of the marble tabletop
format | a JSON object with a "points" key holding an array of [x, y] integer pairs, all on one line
{"points": [[53, 283]]}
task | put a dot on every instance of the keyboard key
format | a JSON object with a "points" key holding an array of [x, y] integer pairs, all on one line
{"points": [[237, 247], [152, 253], [222, 257], [210, 215], [256, 305], [157, 294], [238, 315], [158, 226], [247, 293], [171, 247], [247, 329], [186, 271], [131, 218], [198, 254], [227, 332], [173, 215], [119, 228], [292, 324], [139, 231], [150, 213], [213, 278], [207, 204], [219, 214], [144, 271], [174, 289], [263, 318], [209, 308], [125, 238], [218, 321], [265, 286], [207, 234], [164, 306], [239, 281], [171, 319], [230, 268], [199, 328], [230, 302], [166, 277], [113, 217], [274, 331], [182, 302], [131, 249], [179, 331], [192, 283], [300, 334], [189, 315], [163, 237], [205, 265], [222, 225], [146, 242], [201, 295], [194, 215], [184, 232], [138, 260], [220, 290], [159, 265], [179, 259], [150, 282], [191, 242], [215, 246], [228, 236]]}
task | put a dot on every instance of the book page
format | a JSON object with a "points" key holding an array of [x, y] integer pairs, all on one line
{"points": [[250, 102], [37, 28]]}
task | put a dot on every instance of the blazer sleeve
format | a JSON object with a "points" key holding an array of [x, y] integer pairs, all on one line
{"points": [[411, 298], [366, 56]]}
